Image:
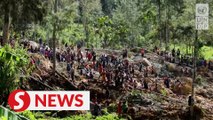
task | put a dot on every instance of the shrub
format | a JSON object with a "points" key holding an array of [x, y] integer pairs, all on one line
{"points": [[3, 118], [11, 63], [163, 92], [112, 108], [28, 114], [108, 117]]}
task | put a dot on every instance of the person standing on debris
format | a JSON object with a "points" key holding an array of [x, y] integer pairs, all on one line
{"points": [[132, 71], [40, 41], [46, 53], [119, 109], [181, 60], [178, 52], [210, 64], [50, 56], [109, 75], [93, 55], [155, 49], [104, 61], [124, 107], [145, 83], [89, 56], [103, 76], [69, 67], [97, 109], [190, 100], [107, 93], [125, 53], [72, 74], [167, 82], [152, 70], [205, 63], [173, 52], [159, 52], [142, 52], [38, 62], [100, 68], [140, 67], [79, 55], [146, 72]]}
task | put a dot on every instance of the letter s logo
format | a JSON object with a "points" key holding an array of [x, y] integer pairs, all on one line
{"points": [[19, 100]]}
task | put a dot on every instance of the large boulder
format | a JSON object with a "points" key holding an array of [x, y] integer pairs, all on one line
{"points": [[34, 44], [171, 67], [186, 80], [182, 89]]}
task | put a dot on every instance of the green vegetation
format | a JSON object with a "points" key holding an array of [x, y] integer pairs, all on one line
{"points": [[88, 116], [206, 52], [28, 114], [3, 118], [6, 114], [110, 23], [12, 62]]}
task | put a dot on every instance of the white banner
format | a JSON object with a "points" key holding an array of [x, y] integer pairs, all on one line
{"points": [[20, 100], [202, 16], [202, 23]]}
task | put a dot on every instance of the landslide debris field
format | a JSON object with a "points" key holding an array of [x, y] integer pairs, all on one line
{"points": [[156, 102]]}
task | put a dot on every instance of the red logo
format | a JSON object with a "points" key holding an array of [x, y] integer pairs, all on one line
{"points": [[19, 100]]}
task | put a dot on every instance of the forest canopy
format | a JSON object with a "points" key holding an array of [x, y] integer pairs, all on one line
{"points": [[107, 23]]}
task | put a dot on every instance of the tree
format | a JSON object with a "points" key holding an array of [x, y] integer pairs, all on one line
{"points": [[54, 38], [108, 6], [24, 11], [88, 9]]}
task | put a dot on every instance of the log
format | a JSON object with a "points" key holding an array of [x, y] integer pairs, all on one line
{"points": [[32, 78], [66, 79]]}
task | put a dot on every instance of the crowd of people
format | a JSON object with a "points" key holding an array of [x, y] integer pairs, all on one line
{"points": [[114, 71], [175, 56]]}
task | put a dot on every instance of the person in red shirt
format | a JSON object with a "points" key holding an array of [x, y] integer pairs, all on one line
{"points": [[103, 75], [142, 52], [93, 64], [89, 56], [119, 110], [100, 69]]}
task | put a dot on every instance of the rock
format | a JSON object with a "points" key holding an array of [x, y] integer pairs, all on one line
{"points": [[199, 99], [171, 67], [183, 89], [34, 44], [157, 67], [146, 62], [138, 59], [202, 92], [209, 74], [186, 80]]}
